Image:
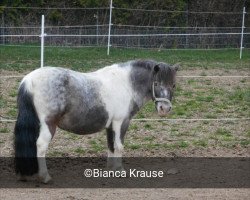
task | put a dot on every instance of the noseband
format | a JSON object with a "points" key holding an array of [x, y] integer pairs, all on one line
{"points": [[156, 99]]}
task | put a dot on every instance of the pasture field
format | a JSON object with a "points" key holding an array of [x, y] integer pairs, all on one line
{"points": [[195, 98], [26, 58]]}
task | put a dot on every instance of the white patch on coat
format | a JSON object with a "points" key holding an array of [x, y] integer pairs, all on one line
{"points": [[165, 93], [116, 90]]}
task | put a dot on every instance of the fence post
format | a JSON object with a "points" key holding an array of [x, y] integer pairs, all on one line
{"points": [[242, 31], [97, 26], [42, 41], [3, 31], [187, 25], [110, 21]]}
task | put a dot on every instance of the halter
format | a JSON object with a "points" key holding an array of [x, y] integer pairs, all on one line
{"points": [[156, 99]]}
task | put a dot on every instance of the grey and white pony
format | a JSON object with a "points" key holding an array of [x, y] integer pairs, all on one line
{"points": [[85, 103]]}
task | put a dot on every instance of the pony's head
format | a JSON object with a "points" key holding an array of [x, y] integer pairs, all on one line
{"points": [[163, 87]]}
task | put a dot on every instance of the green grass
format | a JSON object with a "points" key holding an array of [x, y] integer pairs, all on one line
{"points": [[148, 126], [205, 98], [176, 145], [248, 133], [133, 127], [85, 59], [151, 146], [13, 93], [96, 146], [200, 143], [55, 153], [227, 138], [3, 102], [79, 151], [12, 112], [245, 143], [71, 136], [223, 134], [133, 146], [183, 144], [149, 138], [191, 81], [240, 95], [4, 130]]}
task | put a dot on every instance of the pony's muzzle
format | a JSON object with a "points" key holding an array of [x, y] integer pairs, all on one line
{"points": [[163, 108]]}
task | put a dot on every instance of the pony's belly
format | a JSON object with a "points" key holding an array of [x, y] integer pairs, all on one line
{"points": [[90, 122], [80, 130]]}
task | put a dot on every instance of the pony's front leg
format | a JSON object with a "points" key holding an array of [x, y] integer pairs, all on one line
{"points": [[42, 146], [115, 136]]}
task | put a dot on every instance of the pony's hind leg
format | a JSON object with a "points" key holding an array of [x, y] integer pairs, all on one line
{"points": [[42, 143]]}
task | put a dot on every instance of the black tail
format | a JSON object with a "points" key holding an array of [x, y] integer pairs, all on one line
{"points": [[26, 134]]}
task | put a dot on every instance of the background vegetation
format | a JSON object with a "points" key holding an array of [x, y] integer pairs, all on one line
{"points": [[77, 17]]}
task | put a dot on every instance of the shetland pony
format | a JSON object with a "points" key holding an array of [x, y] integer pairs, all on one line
{"points": [[85, 103]]}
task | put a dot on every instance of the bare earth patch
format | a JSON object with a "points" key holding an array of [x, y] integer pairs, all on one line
{"points": [[125, 194]]}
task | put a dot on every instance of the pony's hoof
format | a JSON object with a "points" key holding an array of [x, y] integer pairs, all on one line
{"points": [[45, 179], [22, 178]]}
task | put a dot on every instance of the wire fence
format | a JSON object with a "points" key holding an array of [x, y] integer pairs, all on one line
{"points": [[127, 35]]}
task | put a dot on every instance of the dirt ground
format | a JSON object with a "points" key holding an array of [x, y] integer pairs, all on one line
{"points": [[65, 144], [125, 194]]}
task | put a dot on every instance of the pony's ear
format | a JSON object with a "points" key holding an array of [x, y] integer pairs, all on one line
{"points": [[176, 66], [156, 68]]}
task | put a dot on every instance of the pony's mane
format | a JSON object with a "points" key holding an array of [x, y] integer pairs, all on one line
{"points": [[146, 64], [166, 72]]}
